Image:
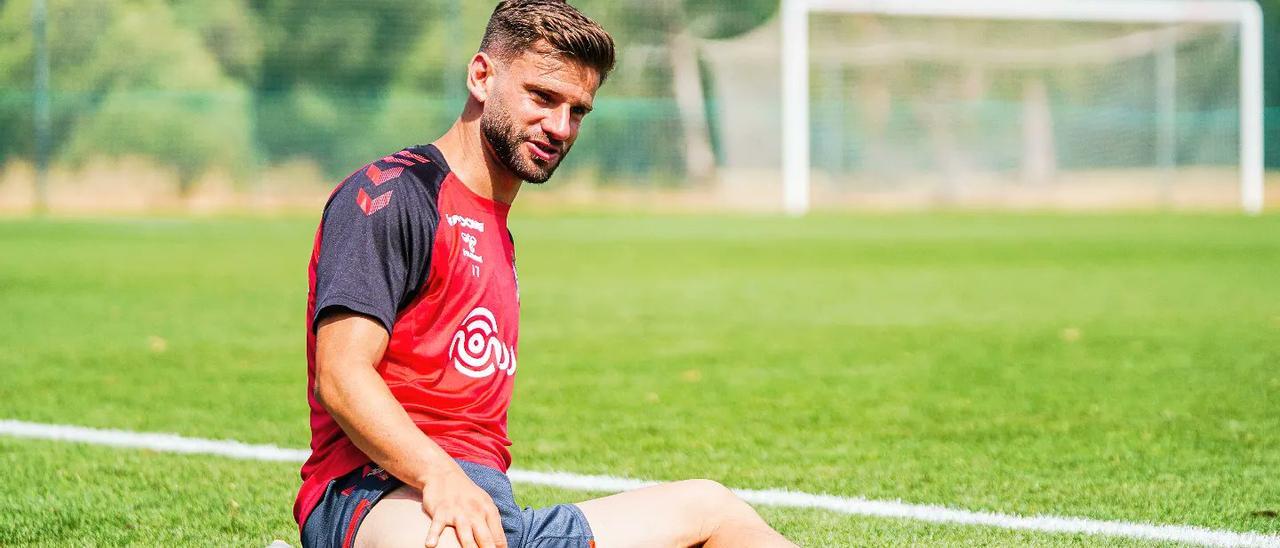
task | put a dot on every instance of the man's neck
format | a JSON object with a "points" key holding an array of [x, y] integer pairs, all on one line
{"points": [[472, 160]]}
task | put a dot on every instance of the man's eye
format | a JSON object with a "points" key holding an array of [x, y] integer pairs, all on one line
{"points": [[540, 97]]}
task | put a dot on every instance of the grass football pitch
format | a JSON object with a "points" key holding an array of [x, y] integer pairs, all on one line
{"points": [[1111, 367]]}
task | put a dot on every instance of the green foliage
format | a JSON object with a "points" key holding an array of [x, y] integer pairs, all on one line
{"points": [[189, 133], [721, 19], [235, 84], [635, 22], [642, 127], [230, 30], [128, 80], [336, 44], [161, 94], [325, 72], [16, 105], [408, 117]]}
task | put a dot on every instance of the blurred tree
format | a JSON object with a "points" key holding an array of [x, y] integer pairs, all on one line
{"points": [[440, 50], [70, 45], [231, 32], [724, 19], [158, 92], [127, 80], [326, 69], [16, 77]]}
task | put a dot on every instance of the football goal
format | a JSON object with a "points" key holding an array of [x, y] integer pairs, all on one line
{"points": [[1090, 103]]}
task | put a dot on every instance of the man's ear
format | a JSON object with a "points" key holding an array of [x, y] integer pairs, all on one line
{"points": [[480, 75]]}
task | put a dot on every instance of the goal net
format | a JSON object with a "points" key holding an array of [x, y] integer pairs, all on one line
{"points": [[1021, 103]]}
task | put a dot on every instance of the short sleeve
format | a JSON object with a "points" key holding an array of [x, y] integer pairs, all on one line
{"points": [[375, 246]]}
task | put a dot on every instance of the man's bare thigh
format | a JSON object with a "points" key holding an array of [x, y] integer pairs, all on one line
{"points": [[398, 521]]}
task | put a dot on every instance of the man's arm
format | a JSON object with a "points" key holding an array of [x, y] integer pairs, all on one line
{"points": [[348, 345]]}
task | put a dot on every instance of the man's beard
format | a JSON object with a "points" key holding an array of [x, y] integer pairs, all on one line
{"points": [[506, 140]]}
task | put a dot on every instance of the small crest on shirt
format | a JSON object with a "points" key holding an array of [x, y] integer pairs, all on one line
{"points": [[372, 205]]}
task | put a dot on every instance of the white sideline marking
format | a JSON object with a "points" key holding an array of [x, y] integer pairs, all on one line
{"points": [[173, 443]]}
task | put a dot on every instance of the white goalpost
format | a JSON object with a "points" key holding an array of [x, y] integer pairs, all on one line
{"points": [[1245, 15]]}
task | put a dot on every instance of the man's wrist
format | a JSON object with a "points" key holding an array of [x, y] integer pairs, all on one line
{"points": [[438, 468]]}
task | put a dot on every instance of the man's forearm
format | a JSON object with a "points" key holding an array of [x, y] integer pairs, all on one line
{"points": [[349, 387], [380, 427]]}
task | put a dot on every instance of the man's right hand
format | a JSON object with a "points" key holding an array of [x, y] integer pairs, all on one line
{"points": [[451, 499]]}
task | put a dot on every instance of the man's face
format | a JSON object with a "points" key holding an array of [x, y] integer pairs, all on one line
{"points": [[533, 112]]}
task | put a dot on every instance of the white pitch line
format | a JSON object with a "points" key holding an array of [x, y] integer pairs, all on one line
{"points": [[168, 443], [173, 443]]}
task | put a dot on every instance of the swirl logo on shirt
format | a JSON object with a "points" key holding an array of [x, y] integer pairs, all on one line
{"points": [[476, 350]]}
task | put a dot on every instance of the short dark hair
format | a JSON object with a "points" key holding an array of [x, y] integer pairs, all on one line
{"points": [[517, 26]]}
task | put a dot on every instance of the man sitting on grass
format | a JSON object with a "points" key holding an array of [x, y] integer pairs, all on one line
{"points": [[413, 319]]}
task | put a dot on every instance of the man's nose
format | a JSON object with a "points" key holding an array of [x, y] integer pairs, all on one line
{"points": [[557, 125]]}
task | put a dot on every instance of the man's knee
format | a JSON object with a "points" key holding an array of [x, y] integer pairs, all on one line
{"points": [[718, 500], [714, 508]]}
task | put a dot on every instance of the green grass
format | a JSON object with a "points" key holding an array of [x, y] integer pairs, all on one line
{"points": [[1110, 367]]}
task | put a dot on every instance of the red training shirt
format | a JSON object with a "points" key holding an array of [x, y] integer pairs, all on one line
{"points": [[403, 240]]}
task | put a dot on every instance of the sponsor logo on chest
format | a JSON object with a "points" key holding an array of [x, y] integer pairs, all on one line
{"points": [[477, 351], [466, 222]]}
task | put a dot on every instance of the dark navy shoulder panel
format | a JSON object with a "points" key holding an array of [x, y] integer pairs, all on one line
{"points": [[377, 234]]}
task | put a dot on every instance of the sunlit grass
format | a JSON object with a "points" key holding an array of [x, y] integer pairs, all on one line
{"points": [[1112, 367]]}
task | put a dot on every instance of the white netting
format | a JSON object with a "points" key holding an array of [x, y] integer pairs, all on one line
{"points": [[917, 110]]}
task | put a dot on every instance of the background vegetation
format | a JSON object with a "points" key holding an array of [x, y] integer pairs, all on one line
{"points": [[242, 83], [236, 85]]}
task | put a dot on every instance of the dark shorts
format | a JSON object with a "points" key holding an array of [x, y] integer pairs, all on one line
{"points": [[347, 501]]}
